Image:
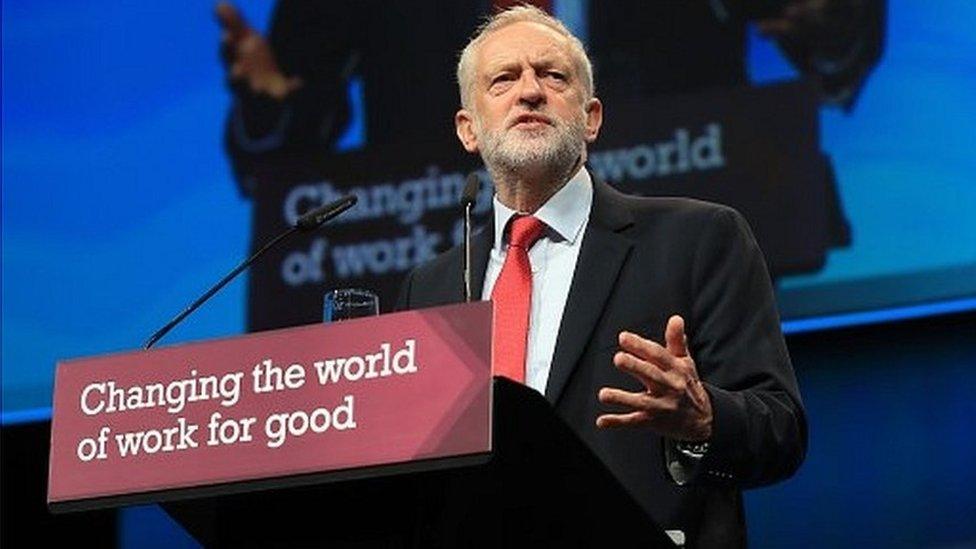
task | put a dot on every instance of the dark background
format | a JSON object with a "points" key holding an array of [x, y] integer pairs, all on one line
{"points": [[118, 206]]}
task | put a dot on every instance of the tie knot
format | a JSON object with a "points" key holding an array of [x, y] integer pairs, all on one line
{"points": [[524, 230]]}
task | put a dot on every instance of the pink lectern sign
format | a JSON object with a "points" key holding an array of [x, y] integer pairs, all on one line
{"points": [[395, 389]]}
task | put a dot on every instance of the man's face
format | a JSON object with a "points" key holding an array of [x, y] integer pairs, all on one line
{"points": [[529, 106]]}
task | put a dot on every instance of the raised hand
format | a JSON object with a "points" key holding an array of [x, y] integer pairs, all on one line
{"points": [[807, 20], [674, 402], [248, 58]]}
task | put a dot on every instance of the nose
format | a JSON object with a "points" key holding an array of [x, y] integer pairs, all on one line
{"points": [[530, 90]]}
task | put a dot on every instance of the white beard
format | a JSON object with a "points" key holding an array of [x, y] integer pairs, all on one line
{"points": [[549, 149]]}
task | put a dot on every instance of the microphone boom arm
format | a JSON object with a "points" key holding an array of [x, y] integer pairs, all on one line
{"points": [[216, 288], [306, 223]]}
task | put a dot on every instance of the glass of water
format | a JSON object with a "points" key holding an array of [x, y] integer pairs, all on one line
{"points": [[346, 303]]}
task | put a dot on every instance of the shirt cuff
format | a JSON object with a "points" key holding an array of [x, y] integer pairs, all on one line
{"points": [[683, 460]]}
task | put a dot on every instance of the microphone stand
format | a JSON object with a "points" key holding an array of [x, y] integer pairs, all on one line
{"points": [[216, 288], [467, 252], [468, 197], [307, 222]]}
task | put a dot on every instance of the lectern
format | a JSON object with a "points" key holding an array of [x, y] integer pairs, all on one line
{"points": [[380, 432]]}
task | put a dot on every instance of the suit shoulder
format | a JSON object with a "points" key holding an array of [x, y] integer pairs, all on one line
{"points": [[436, 281], [675, 209], [440, 263]]}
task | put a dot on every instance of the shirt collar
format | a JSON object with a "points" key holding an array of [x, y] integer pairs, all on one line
{"points": [[565, 212]]}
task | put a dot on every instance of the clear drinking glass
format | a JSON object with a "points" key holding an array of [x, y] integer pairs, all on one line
{"points": [[346, 303]]}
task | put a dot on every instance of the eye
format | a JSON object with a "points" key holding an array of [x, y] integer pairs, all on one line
{"points": [[556, 75], [503, 77], [502, 82]]}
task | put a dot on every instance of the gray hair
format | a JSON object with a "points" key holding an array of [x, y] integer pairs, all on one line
{"points": [[520, 14]]}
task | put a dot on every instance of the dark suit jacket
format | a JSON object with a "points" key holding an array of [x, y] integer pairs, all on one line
{"points": [[642, 260]]}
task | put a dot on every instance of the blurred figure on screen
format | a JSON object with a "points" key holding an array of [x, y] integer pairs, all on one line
{"points": [[641, 49], [291, 87], [645, 48]]}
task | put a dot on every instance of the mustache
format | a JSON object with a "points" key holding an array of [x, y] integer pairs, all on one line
{"points": [[529, 116]]}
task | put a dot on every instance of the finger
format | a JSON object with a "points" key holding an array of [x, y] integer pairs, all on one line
{"points": [[250, 44], [606, 421], [640, 401], [805, 9], [610, 395], [649, 374], [775, 27], [293, 84], [814, 14], [231, 20], [674, 335], [646, 349]]}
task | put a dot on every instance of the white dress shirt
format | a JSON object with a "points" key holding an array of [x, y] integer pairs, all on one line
{"points": [[553, 259]]}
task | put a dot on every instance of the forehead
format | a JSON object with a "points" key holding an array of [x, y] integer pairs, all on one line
{"points": [[524, 41]]}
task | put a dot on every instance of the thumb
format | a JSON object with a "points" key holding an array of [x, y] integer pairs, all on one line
{"points": [[231, 20], [674, 336]]}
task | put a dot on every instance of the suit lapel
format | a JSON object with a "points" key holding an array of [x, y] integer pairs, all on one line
{"points": [[603, 252], [481, 244]]}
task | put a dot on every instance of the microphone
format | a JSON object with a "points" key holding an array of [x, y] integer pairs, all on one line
{"points": [[468, 197], [316, 218], [306, 223]]}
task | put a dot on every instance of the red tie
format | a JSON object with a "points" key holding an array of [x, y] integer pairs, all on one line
{"points": [[512, 297]]}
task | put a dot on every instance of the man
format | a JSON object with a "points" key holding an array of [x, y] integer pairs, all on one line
{"points": [[580, 273], [290, 88]]}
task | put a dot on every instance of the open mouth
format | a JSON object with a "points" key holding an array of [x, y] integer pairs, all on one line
{"points": [[530, 121]]}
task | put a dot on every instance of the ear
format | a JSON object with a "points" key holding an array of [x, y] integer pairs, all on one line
{"points": [[464, 127], [594, 119]]}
